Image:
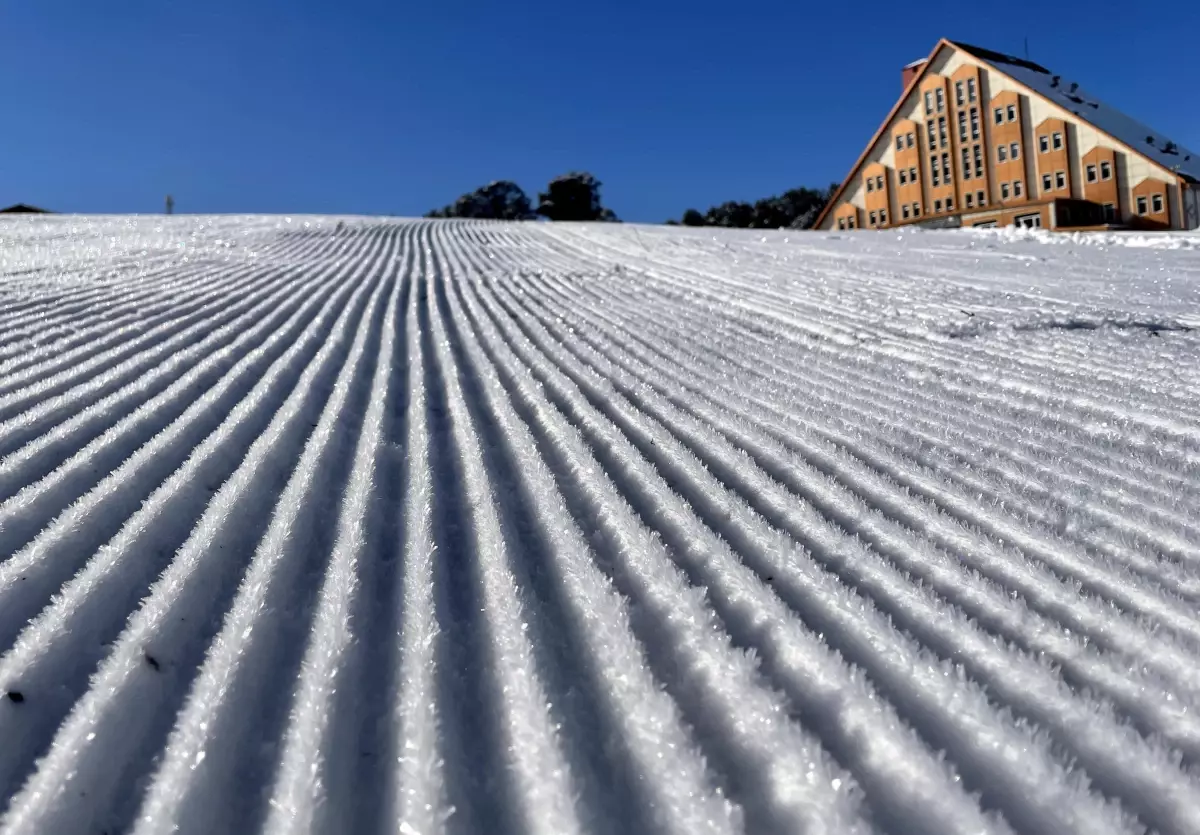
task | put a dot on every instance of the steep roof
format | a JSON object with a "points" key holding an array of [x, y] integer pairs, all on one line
{"points": [[1071, 97]]}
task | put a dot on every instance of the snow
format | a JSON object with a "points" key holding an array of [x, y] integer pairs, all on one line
{"points": [[348, 524]]}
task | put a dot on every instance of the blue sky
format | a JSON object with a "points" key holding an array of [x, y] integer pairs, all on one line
{"points": [[395, 107]]}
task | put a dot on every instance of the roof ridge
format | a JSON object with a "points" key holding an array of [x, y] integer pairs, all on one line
{"points": [[985, 54]]}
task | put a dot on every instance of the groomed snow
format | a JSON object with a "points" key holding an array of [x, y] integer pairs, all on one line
{"points": [[349, 525]]}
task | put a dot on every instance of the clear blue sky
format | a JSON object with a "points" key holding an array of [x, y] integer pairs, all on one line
{"points": [[398, 107]]}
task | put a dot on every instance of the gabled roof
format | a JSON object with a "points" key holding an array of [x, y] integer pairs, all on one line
{"points": [[1068, 95], [1071, 97]]}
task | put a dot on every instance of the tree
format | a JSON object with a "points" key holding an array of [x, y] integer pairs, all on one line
{"points": [[771, 213], [731, 215], [573, 196], [794, 209], [498, 200], [807, 219]]}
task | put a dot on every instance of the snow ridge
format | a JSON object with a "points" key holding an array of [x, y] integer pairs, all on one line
{"points": [[352, 525]]}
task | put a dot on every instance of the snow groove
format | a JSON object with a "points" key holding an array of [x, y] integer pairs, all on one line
{"points": [[767, 564], [357, 525], [777, 445]]}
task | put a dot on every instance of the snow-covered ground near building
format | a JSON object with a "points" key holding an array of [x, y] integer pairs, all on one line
{"points": [[349, 525]]}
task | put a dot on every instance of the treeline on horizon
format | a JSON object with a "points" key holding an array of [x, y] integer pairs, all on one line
{"points": [[572, 196], [576, 196]]}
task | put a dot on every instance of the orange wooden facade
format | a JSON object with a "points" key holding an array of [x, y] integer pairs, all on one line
{"points": [[957, 154]]}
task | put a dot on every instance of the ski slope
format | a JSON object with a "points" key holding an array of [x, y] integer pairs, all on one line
{"points": [[352, 525]]}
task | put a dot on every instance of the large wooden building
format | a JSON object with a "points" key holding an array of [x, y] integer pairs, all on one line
{"points": [[979, 138]]}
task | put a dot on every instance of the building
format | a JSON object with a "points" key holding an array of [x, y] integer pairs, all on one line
{"points": [[979, 138]]}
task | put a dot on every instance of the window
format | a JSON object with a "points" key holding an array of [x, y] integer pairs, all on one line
{"points": [[1043, 144], [1018, 188], [903, 177], [841, 223], [1001, 153], [1106, 170], [949, 204], [1110, 213], [966, 164], [852, 222], [1156, 203], [872, 218], [941, 99], [932, 136], [974, 122], [978, 161], [1091, 173], [981, 198], [899, 143], [1060, 180], [933, 169], [928, 102], [870, 183], [1004, 191], [904, 212], [1058, 142], [962, 125], [916, 209], [958, 93], [882, 216], [912, 174], [999, 114], [942, 130], [970, 89], [1141, 205], [1047, 182], [879, 183], [937, 205], [968, 199], [946, 167], [1012, 113], [1028, 221], [1014, 150], [984, 224]]}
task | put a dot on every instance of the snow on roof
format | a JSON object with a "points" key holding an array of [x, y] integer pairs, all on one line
{"points": [[1072, 97]]}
